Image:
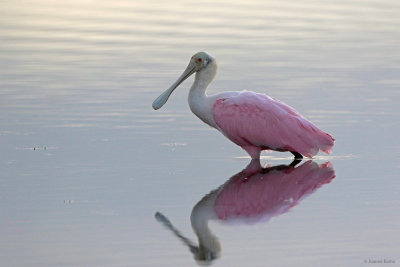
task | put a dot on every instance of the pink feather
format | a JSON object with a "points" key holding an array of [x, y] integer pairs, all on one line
{"points": [[257, 122], [260, 196]]}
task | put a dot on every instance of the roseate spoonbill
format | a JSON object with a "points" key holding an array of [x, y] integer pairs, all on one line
{"points": [[255, 194], [251, 120]]}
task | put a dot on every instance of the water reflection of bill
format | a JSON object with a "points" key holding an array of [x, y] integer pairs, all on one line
{"points": [[255, 194]]}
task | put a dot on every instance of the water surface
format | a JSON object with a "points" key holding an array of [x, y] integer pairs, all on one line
{"points": [[86, 163]]}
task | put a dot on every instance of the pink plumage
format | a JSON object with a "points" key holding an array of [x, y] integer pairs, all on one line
{"points": [[254, 121], [270, 192], [257, 122]]}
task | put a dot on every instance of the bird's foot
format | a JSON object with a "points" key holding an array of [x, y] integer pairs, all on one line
{"points": [[297, 155], [295, 162]]}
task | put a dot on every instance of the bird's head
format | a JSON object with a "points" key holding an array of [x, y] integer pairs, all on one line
{"points": [[201, 60], [198, 62]]}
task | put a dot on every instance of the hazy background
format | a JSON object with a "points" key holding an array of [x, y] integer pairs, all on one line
{"points": [[85, 162]]}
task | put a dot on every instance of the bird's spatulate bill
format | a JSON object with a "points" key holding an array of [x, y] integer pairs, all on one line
{"points": [[253, 121], [163, 98]]}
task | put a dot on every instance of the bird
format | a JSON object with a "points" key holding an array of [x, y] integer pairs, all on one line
{"points": [[254, 121], [254, 195]]}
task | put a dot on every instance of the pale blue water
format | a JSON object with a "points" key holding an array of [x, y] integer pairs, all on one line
{"points": [[86, 163]]}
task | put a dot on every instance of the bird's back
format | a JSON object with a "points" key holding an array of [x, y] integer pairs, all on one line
{"points": [[252, 119], [267, 194]]}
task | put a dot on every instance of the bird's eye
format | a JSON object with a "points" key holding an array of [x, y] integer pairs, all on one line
{"points": [[199, 60]]}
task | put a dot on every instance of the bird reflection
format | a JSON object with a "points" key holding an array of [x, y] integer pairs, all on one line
{"points": [[255, 194]]}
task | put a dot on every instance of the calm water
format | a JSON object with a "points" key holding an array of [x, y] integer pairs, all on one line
{"points": [[86, 163]]}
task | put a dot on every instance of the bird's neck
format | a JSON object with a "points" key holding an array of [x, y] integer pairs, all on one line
{"points": [[202, 213], [200, 104], [203, 78]]}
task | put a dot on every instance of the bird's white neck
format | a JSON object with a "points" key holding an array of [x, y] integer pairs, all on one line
{"points": [[200, 104], [202, 213]]}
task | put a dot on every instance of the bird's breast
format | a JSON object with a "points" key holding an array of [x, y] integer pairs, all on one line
{"points": [[202, 107]]}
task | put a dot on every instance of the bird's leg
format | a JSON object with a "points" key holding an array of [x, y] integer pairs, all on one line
{"points": [[297, 155], [295, 162], [253, 167], [253, 151]]}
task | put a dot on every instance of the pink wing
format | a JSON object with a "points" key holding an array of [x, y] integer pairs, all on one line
{"points": [[251, 119], [264, 195]]}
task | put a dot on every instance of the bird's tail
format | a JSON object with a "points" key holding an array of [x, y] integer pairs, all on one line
{"points": [[327, 143]]}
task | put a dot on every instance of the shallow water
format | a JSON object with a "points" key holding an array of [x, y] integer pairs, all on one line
{"points": [[86, 163]]}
